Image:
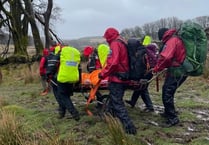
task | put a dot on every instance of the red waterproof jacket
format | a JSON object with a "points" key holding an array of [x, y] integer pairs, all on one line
{"points": [[42, 66], [117, 59], [173, 53]]}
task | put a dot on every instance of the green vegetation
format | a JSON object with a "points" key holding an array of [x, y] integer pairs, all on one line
{"points": [[29, 119]]}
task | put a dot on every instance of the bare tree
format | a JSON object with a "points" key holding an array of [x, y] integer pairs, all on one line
{"points": [[17, 15], [29, 12], [17, 23], [203, 21]]}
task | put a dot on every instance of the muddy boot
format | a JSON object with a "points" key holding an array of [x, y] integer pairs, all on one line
{"points": [[61, 114], [149, 110], [171, 122], [130, 103], [45, 92], [131, 130], [76, 116]]}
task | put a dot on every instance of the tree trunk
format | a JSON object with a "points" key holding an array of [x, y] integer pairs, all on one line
{"points": [[47, 15], [36, 35]]}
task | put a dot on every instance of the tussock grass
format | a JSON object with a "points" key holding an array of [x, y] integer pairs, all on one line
{"points": [[11, 130], [31, 73], [44, 138], [117, 135], [3, 102]]}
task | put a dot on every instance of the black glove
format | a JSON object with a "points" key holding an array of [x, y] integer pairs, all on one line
{"points": [[100, 76]]}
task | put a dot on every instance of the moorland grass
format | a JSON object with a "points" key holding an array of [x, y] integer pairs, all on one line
{"points": [[36, 122]]}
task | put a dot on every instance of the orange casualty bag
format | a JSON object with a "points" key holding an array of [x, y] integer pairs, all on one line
{"points": [[90, 78], [93, 80]]}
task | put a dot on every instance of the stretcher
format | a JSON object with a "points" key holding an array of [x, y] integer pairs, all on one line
{"points": [[90, 84]]}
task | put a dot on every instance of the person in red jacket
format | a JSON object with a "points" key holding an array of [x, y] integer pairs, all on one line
{"points": [[116, 67], [171, 56], [93, 60], [42, 71]]}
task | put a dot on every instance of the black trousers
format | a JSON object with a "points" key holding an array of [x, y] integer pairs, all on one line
{"points": [[65, 90], [116, 105], [54, 84], [169, 88], [144, 95]]}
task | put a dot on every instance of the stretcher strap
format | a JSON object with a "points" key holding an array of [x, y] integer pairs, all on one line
{"points": [[92, 96]]}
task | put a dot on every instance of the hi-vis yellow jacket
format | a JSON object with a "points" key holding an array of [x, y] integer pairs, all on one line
{"points": [[69, 65], [103, 51], [147, 40]]}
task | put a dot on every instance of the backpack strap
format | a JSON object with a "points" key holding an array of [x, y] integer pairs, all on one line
{"points": [[147, 62], [124, 43]]}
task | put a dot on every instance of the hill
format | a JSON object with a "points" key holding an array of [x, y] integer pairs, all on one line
{"points": [[82, 42]]}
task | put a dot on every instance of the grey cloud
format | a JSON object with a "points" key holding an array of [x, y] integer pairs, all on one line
{"points": [[90, 18]]}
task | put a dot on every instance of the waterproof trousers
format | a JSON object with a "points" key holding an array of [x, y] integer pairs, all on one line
{"points": [[117, 107], [145, 97], [169, 88], [65, 90], [54, 85]]}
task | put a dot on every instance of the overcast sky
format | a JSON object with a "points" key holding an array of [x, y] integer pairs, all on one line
{"points": [[81, 18]]}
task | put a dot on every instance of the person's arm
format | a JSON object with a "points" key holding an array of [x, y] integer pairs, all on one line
{"points": [[42, 66], [166, 56]]}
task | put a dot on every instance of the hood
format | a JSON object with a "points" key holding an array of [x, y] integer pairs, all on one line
{"points": [[134, 43], [45, 52], [111, 34], [168, 34]]}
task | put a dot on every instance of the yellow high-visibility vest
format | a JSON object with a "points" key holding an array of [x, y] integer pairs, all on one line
{"points": [[69, 63]]}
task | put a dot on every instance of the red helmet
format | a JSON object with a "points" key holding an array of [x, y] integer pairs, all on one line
{"points": [[88, 50]]}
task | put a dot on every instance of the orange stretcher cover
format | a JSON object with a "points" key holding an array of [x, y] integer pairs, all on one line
{"points": [[92, 78]]}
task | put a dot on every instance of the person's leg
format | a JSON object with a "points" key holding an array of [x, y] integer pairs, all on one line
{"points": [[55, 92], [44, 85], [65, 90], [118, 107], [147, 100], [99, 100], [169, 89], [134, 98], [59, 98]]}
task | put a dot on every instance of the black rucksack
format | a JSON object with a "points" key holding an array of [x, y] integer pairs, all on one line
{"points": [[136, 55], [52, 64], [91, 66], [140, 59]]}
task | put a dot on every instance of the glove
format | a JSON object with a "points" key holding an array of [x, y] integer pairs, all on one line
{"points": [[100, 76]]}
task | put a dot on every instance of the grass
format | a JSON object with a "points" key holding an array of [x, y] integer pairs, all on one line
{"points": [[28, 118]]}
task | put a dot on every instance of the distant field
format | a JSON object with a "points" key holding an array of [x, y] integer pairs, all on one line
{"points": [[30, 49]]}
